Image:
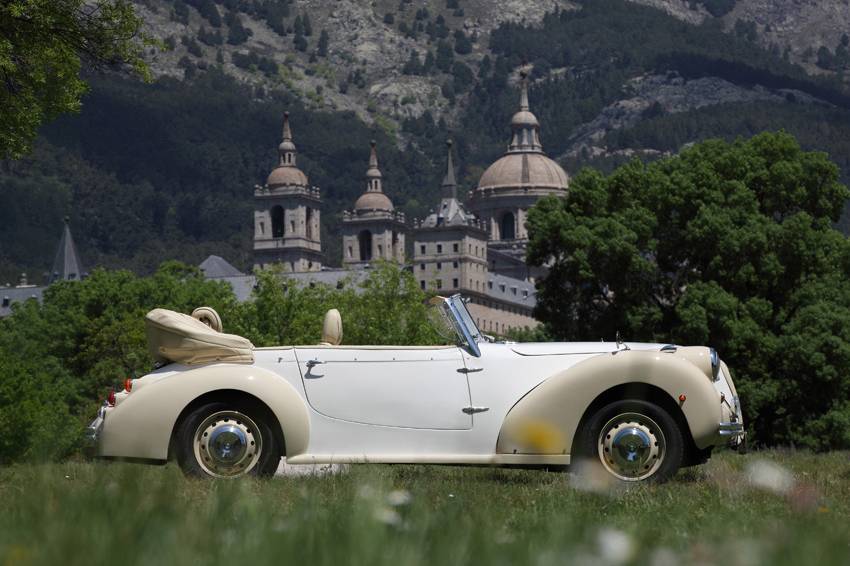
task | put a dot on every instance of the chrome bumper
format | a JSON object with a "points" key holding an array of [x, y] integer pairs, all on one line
{"points": [[731, 429], [93, 431], [735, 435]]}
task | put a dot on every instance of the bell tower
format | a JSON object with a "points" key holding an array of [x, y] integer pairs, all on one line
{"points": [[374, 230], [286, 214]]}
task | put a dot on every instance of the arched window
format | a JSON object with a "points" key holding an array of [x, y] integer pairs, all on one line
{"points": [[365, 241], [507, 226], [277, 221], [309, 223]]}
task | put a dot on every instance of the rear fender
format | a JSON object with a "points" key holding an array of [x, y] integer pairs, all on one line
{"points": [[558, 404], [142, 424]]}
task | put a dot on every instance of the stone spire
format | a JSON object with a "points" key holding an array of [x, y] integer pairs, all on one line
{"points": [[286, 149], [373, 174], [449, 185], [524, 124], [67, 265]]}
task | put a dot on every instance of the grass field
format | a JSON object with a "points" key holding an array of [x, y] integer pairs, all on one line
{"points": [[762, 508]]}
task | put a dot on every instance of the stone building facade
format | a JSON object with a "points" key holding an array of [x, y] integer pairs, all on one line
{"points": [[477, 249]]}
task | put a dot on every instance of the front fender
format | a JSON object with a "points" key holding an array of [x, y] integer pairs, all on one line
{"points": [[141, 425], [562, 399]]}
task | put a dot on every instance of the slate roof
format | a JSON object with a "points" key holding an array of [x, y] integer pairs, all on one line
{"points": [[67, 265], [508, 289], [216, 267], [12, 295]]}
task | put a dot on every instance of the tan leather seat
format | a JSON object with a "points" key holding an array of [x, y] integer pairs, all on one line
{"points": [[332, 329]]}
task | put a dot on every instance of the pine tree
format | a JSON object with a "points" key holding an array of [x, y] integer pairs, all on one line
{"points": [[413, 66], [428, 66], [462, 44], [323, 43], [445, 56]]}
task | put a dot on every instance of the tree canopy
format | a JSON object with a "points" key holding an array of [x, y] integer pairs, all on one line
{"points": [[42, 46], [727, 244], [58, 358]]}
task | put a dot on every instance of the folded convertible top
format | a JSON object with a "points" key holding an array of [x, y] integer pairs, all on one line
{"points": [[180, 338]]}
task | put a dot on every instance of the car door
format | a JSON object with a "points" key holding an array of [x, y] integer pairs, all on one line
{"points": [[424, 388]]}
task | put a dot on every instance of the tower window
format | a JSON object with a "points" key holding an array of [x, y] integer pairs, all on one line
{"points": [[262, 228], [350, 252], [380, 250], [454, 264], [455, 247], [365, 241], [439, 248], [422, 285], [277, 221], [455, 284], [439, 283], [439, 265], [507, 226], [291, 226], [309, 223], [422, 248], [422, 267]]}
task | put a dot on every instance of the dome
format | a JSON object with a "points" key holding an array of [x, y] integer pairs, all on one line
{"points": [[524, 118], [373, 201], [286, 175], [524, 170]]}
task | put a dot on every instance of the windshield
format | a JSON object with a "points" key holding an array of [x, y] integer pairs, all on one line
{"points": [[465, 318], [451, 319]]}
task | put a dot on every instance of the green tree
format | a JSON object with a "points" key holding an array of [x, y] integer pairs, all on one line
{"points": [[323, 43], [58, 359], [729, 245], [462, 44], [43, 46], [445, 56]]}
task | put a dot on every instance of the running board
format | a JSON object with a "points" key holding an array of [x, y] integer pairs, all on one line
{"points": [[480, 459]]}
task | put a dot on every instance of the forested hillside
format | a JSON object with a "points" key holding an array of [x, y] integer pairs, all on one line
{"points": [[166, 170]]}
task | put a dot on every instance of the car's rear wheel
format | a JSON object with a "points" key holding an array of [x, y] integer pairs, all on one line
{"points": [[227, 440], [633, 441]]}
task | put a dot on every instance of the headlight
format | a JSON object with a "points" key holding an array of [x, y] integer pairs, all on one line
{"points": [[715, 363]]}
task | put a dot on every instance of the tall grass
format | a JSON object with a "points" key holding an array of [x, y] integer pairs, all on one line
{"points": [[735, 510]]}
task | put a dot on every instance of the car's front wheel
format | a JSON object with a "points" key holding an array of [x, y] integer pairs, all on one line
{"points": [[227, 440], [633, 441]]}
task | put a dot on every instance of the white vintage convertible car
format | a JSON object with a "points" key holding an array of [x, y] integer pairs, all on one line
{"points": [[224, 408]]}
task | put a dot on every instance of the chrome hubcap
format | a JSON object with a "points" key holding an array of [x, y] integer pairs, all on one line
{"points": [[631, 446], [227, 444]]}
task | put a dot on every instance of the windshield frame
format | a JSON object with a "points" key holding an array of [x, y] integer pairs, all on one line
{"points": [[466, 328]]}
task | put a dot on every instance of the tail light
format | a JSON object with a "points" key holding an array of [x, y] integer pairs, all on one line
{"points": [[128, 384], [111, 397]]}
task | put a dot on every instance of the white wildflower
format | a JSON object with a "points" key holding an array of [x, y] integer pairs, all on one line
{"points": [[388, 516], [615, 546], [399, 497], [770, 476]]}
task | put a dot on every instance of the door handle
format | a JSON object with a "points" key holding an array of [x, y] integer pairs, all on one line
{"points": [[473, 410], [469, 370], [313, 363]]}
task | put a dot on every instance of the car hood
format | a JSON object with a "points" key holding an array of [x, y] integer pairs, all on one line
{"points": [[567, 348]]}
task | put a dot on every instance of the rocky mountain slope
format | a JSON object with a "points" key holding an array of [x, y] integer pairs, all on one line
{"points": [[166, 170], [364, 65]]}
